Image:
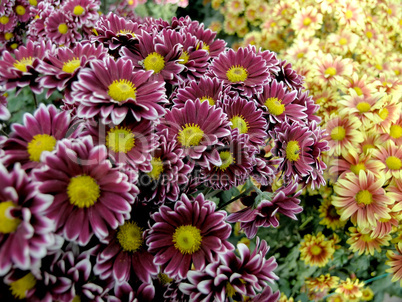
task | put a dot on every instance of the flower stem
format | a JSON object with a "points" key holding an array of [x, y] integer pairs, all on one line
{"points": [[236, 198]]}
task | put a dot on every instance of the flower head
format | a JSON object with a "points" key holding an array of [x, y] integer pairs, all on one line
{"points": [[316, 250]]}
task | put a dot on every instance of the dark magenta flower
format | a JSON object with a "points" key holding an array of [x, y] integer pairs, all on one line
{"points": [[82, 12], [61, 29]]}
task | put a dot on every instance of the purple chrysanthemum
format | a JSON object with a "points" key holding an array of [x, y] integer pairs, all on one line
{"points": [[8, 22], [25, 231], [61, 29], [113, 90], [304, 99], [207, 38], [286, 74], [232, 276], [159, 54], [127, 143], [243, 70], [271, 60], [247, 119], [40, 132], [60, 68], [267, 296], [279, 105], [237, 156], [205, 89], [285, 201], [293, 143], [6, 7], [36, 28], [196, 127], [19, 70], [193, 233], [21, 9], [125, 255], [91, 197], [167, 173], [82, 12], [265, 169]]}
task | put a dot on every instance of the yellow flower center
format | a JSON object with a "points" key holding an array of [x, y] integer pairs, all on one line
{"points": [[364, 197], [157, 168], [331, 71], [363, 107], [205, 47], [78, 10], [130, 237], [125, 32], [383, 113], [240, 123], [40, 143], [366, 147], [23, 63], [76, 299], [275, 106], [306, 21], [4, 20], [338, 133], [8, 224], [164, 279], [316, 250], [20, 10], [210, 100], [237, 74], [395, 131], [369, 34], [379, 67], [33, 2], [397, 72], [348, 14], [190, 135], [357, 168], [343, 41], [187, 239], [393, 163], [293, 151], [14, 46], [155, 62], [8, 36], [227, 160], [122, 90], [120, 139], [83, 191], [230, 291], [366, 238], [184, 57], [389, 11], [300, 55], [20, 287], [72, 65], [348, 286], [63, 28], [358, 91]]}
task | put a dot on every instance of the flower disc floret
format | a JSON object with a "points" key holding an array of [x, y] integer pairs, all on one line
{"points": [[78, 10], [40, 143], [395, 131], [23, 63], [71, 65], [275, 106], [363, 107], [122, 90], [8, 223], [227, 160], [393, 163], [364, 197], [187, 239], [330, 71], [240, 123], [155, 62], [20, 287], [293, 150], [190, 135], [338, 133], [129, 236], [237, 74], [157, 168], [62, 28], [120, 139], [83, 191]]}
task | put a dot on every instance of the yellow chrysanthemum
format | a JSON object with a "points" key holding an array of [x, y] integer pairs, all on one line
{"points": [[316, 250]]}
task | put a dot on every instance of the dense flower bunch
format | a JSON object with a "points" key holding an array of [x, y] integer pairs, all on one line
{"points": [[350, 55], [110, 196]]}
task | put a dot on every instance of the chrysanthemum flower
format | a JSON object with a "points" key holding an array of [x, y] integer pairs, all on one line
{"points": [[205, 89], [191, 234], [285, 201], [362, 198], [90, 196], [243, 69], [316, 250], [60, 68], [19, 70], [113, 90], [232, 277], [331, 70], [278, 104], [207, 39], [21, 9], [237, 157], [367, 294], [40, 132], [350, 288], [197, 127], [392, 123], [306, 21], [344, 132], [168, 172], [159, 54], [247, 119], [128, 143], [388, 158], [301, 49], [342, 42], [329, 215], [287, 74], [350, 14], [26, 232], [6, 6], [8, 22], [395, 263], [293, 143], [371, 139], [61, 29], [83, 12], [360, 84], [36, 27], [322, 282], [124, 255], [266, 296], [365, 242]]}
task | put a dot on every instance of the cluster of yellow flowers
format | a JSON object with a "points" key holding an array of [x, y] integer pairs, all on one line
{"points": [[349, 52]]}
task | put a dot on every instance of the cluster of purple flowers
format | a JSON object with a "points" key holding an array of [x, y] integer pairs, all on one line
{"points": [[101, 199]]}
